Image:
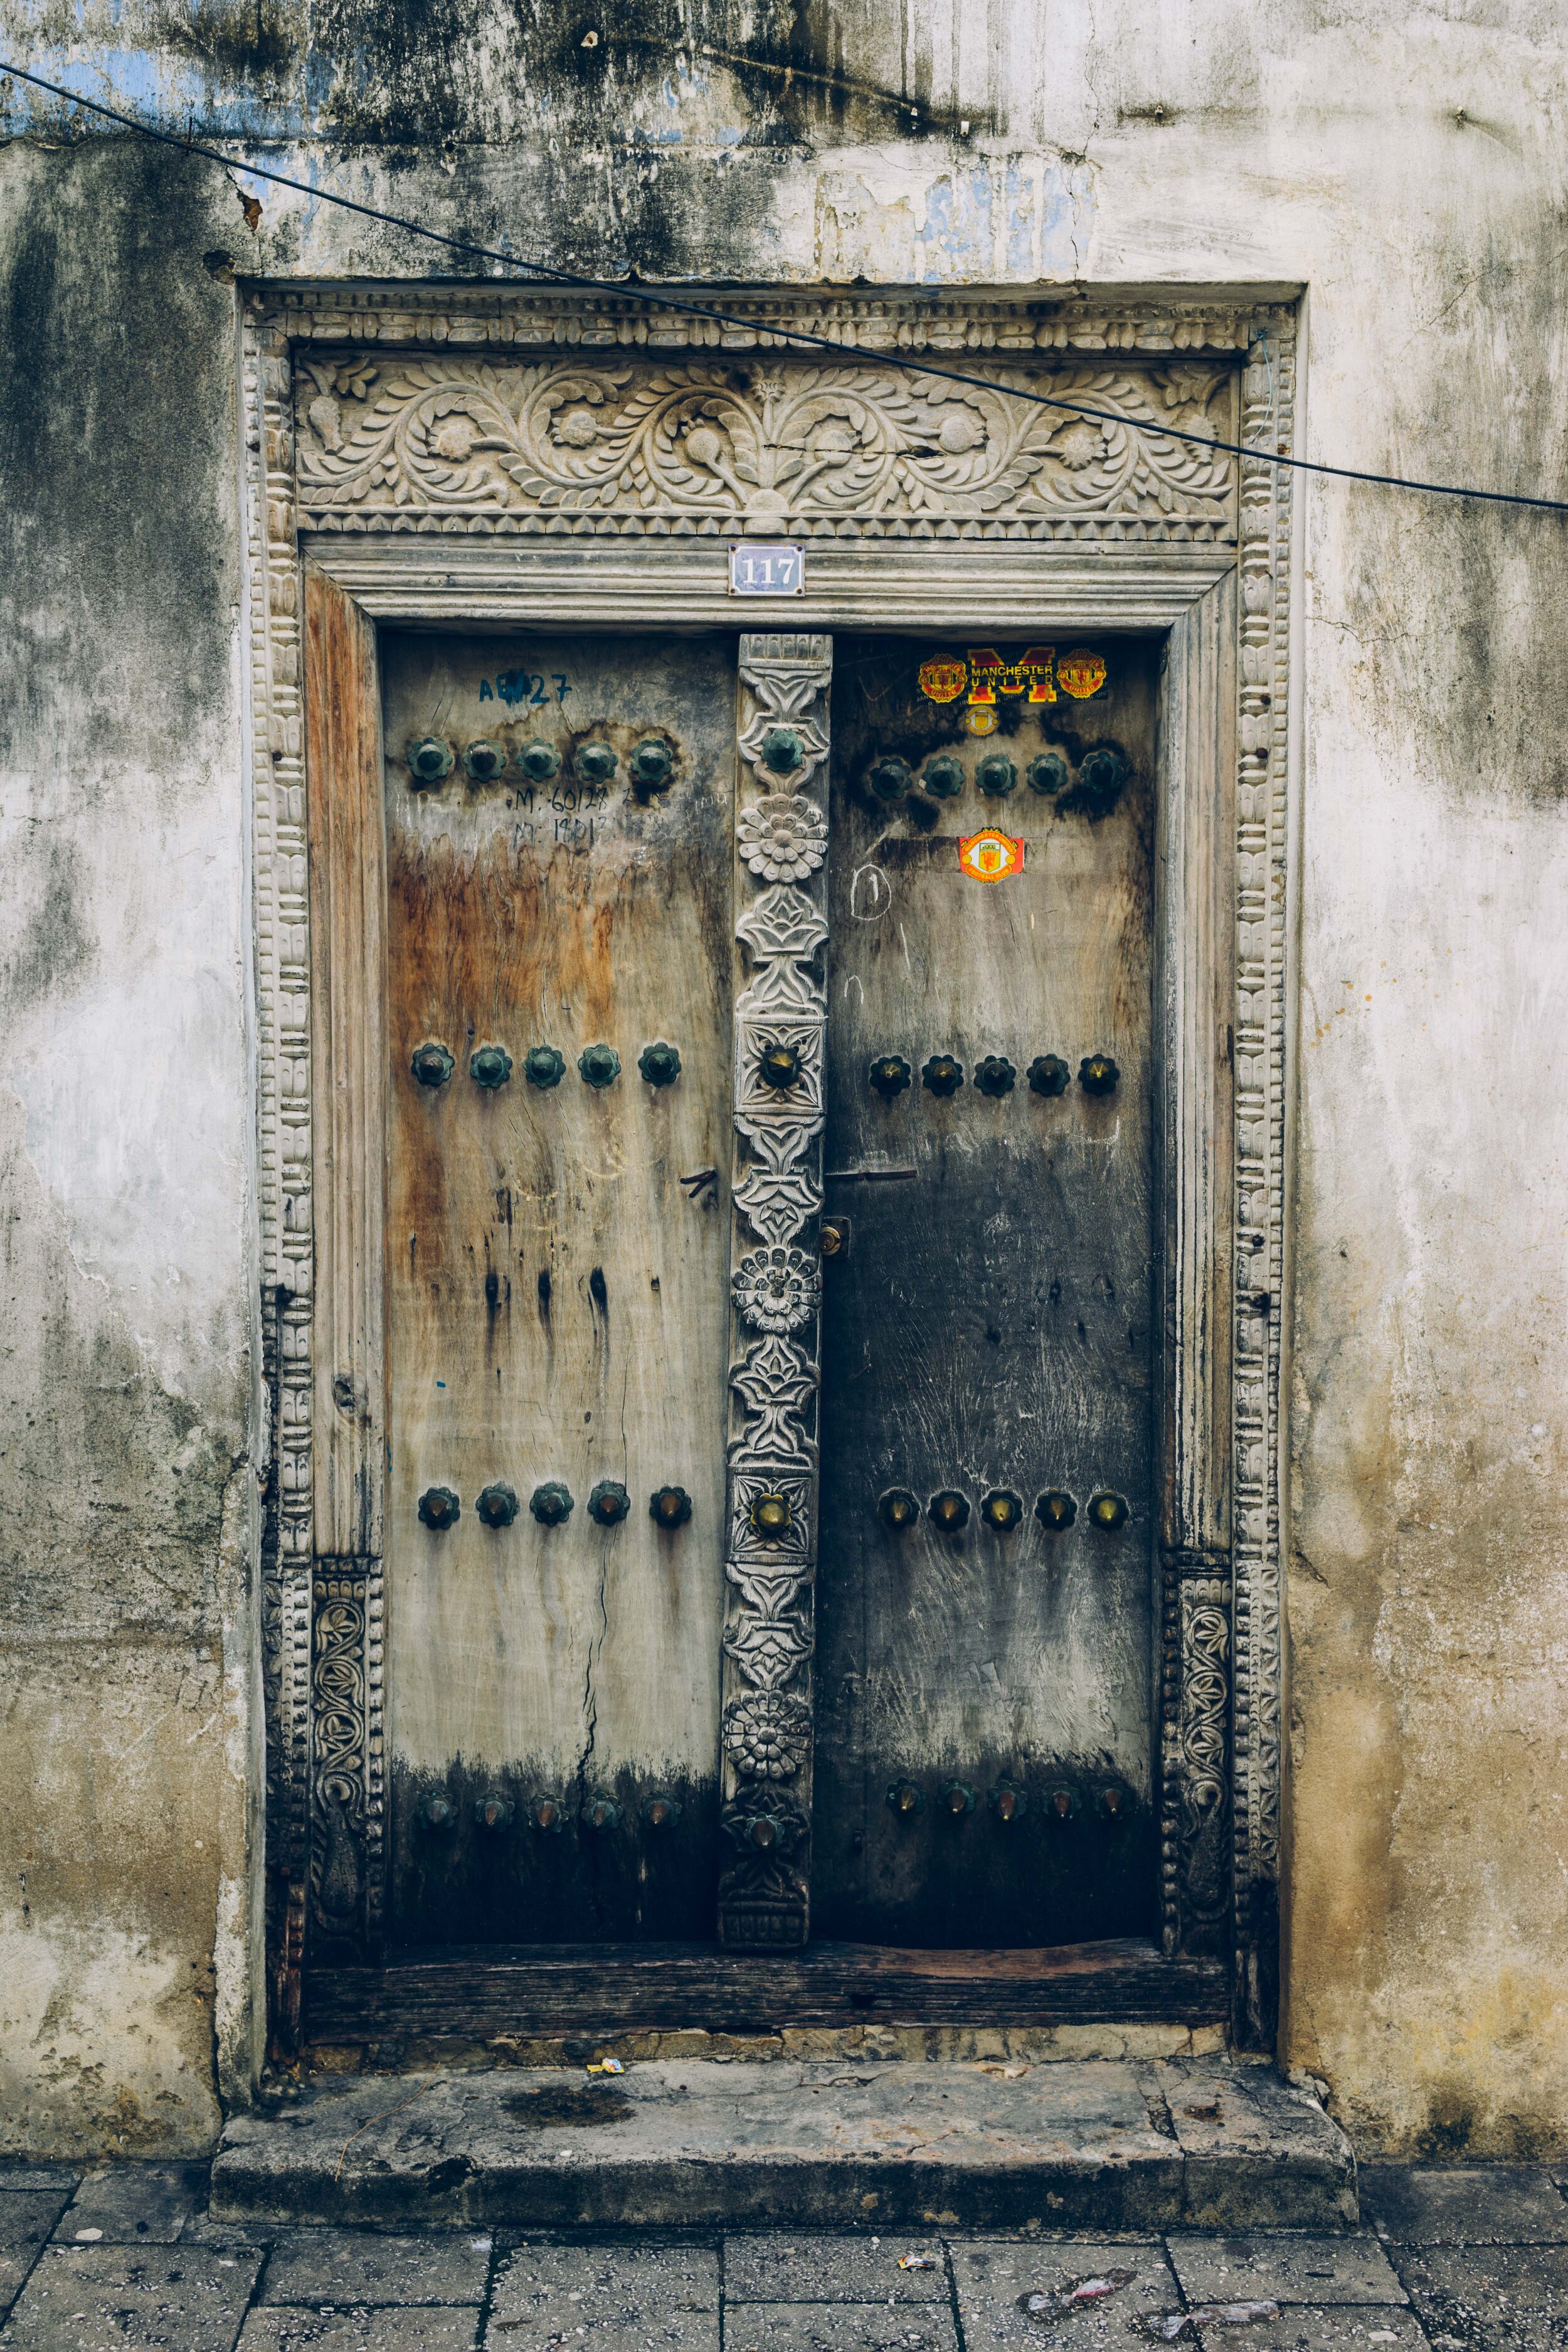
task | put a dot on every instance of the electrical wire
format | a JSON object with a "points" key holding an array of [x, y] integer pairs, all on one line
{"points": [[684, 307]]}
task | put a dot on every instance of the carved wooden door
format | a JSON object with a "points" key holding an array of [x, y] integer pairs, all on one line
{"points": [[984, 1641], [559, 827]]}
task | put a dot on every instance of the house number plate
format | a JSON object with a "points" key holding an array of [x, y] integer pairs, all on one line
{"points": [[766, 568]]}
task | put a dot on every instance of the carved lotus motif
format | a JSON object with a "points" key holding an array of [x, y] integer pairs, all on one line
{"points": [[776, 1290], [784, 837], [1078, 445], [767, 1735], [579, 428], [454, 439]]}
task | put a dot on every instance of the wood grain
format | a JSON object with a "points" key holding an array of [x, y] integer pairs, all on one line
{"points": [[598, 1989]]}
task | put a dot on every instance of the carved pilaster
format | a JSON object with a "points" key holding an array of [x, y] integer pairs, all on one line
{"points": [[781, 1018]]}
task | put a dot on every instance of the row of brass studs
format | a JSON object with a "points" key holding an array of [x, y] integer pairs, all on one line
{"points": [[551, 1505], [1001, 1510], [495, 1814], [1048, 1075], [650, 763], [490, 1065], [1101, 774], [1009, 1802]]}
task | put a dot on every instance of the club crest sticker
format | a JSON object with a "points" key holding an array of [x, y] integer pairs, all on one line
{"points": [[943, 680], [1080, 673], [990, 856]]}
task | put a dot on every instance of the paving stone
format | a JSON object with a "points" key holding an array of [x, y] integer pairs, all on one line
{"points": [[838, 2327], [1490, 2298], [26, 2218], [407, 2329], [1256, 2154], [1467, 2205], [993, 2275], [131, 2299], [1304, 2327], [31, 2178], [137, 2204], [785, 2268], [605, 2299], [1286, 2268], [353, 2266]]}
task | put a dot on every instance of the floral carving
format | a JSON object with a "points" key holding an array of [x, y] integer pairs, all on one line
{"points": [[766, 1734], [782, 837], [776, 1290], [803, 443]]}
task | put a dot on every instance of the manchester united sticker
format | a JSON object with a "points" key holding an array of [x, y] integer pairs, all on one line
{"points": [[990, 856]]}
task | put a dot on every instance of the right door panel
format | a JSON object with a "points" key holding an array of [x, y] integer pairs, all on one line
{"points": [[985, 1703]]}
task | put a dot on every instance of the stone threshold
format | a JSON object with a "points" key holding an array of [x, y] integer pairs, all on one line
{"points": [[1201, 2143]]}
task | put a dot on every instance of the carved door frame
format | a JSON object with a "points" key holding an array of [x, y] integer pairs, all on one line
{"points": [[494, 455]]}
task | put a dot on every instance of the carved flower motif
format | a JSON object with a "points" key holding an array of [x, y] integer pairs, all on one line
{"points": [[579, 428], [782, 838], [960, 432], [766, 1734], [776, 1290], [454, 439], [1078, 444], [704, 446]]}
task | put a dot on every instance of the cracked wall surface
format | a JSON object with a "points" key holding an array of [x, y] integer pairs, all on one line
{"points": [[1403, 165]]}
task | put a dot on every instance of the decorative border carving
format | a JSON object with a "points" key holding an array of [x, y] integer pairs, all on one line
{"points": [[781, 893], [1221, 1572]]}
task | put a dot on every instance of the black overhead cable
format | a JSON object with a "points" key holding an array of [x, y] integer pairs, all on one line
{"points": [[685, 307]]}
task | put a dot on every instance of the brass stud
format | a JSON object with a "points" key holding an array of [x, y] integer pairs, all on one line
{"points": [[835, 1236], [1101, 774], [550, 1504], [659, 1065], [1115, 1801], [942, 1075], [440, 1509], [497, 1507], [1001, 1510], [779, 1065], [1062, 1804], [763, 1831], [600, 1065], [899, 1509], [957, 1799], [609, 1502], [595, 762], [950, 1510], [995, 775], [1107, 1511], [1048, 773], [431, 1064], [1056, 1509], [891, 777], [770, 1517], [485, 761], [660, 1812], [429, 760], [995, 1075], [669, 1507], [1048, 1075], [539, 763], [943, 777], [1097, 1074], [490, 1066], [492, 1813], [601, 1813], [438, 1812], [548, 1814], [543, 1066], [783, 750], [890, 1074], [1007, 1802], [650, 764], [905, 1799]]}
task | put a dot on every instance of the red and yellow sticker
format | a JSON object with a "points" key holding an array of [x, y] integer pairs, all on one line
{"points": [[943, 680], [990, 856], [1081, 673]]}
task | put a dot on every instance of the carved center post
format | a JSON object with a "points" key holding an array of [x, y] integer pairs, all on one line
{"points": [[781, 1020]]}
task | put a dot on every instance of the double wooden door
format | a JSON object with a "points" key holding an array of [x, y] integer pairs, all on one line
{"points": [[769, 1291]]}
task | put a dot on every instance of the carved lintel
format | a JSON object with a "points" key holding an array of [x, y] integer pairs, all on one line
{"points": [[781, 847]]}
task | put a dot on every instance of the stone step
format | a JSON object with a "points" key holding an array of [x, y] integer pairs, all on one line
{"points": [[1131, 2144]]}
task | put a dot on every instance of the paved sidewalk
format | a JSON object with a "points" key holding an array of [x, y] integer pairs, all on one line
{"points": [[125, 2259]]}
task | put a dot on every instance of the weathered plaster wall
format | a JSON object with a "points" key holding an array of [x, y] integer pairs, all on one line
{"points": [[1406, 166]]}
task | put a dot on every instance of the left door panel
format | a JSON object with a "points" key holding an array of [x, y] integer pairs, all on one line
{"points": [[558, 824]]}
